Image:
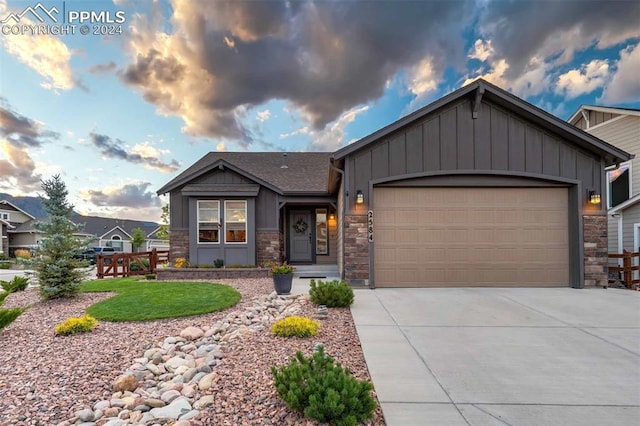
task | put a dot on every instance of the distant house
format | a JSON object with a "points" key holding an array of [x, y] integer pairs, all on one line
{"points": [[479, 188], [18, 227], [621, 128]]}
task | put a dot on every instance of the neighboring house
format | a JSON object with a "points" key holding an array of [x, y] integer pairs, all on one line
{"points": [[619, 127], [479, 188], [97, 231], [4, 236]]}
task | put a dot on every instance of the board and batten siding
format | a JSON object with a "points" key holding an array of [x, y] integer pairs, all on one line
{"points": [[595, 118], [612, 234], [624, 133], [451, 140]]}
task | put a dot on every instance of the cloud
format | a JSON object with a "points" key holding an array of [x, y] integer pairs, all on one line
{"points": [[143, 153], [482, 50], [301, 131], [18, 170], [221, 147], [263, 115], [323, 58], [332, 137], [106, 67], [45, 54], [585, 80], [22, 131], [555, 31], [625, 84], [128, 196]]}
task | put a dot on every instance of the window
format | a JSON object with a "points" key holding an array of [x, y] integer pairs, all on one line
{"points": [[235, 215], [619, 185], [322, 236], [208, 222], [4, 216], [116, 243]]}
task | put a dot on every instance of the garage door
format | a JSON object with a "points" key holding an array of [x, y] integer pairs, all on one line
{"points": [[438, 237]]}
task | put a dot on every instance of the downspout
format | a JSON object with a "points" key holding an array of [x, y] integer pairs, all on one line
{"points": [[341, 215]]}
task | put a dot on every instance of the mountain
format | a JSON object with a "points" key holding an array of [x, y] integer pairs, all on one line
{"points": [[31, 205]]}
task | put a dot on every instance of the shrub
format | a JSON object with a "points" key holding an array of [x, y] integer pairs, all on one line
{"points": [[295, 326], [333, 294], [323, 390], [181, 262], [75, 325], [4, 256], [7, 316], [282, 269], [16, 284], [218, 263], [5, 265], [150, 276], [135, 266], [23, 254]]}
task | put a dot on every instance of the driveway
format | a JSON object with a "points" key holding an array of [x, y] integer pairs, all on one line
{"points": [[481, 356]]}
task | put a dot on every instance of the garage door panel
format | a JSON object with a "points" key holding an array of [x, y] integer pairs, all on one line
{"points": [[471, 237]]}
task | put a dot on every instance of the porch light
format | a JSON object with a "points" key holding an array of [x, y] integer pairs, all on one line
{"points": [[332, 216], [359, 197], [594, 197]]}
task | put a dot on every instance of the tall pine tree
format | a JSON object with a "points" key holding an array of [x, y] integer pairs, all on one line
{"points": [[54, 263]]}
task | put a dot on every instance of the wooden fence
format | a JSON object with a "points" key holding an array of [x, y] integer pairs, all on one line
{"points": [[624, 273], [128, 264]]}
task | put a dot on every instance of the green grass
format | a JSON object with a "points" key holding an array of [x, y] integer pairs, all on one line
{"points": [[147, 300]]}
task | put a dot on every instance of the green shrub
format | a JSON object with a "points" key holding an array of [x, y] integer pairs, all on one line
{"points": [[4, 256], [150, 276], [5, 265], [295, 326], [7, 316], [135, 266], [323, 390], [16, 284], [218, 263], [333, 294], [75, 325]]}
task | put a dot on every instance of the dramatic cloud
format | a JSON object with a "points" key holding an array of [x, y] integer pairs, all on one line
{"points": [[18, 170], [323, 57], [22, 131], [554, 30], [332, 137], [45, 54], [143, 154], [590, 77], [131, 196], [625, 84], [482, 50]]}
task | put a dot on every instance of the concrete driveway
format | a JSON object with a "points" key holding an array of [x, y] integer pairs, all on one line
{"points": [[481, 356]]}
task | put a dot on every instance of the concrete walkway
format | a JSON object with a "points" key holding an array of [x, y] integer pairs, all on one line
{"points": [[485, 356]]}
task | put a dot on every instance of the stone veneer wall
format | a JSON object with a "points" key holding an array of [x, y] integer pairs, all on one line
{"points": [[5, 246], [170, 274], [595, 250], [356, 249], [178, 244], [269, 246]]}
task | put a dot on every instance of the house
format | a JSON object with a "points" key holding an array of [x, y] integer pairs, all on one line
{"points": [[479, 188], [619, 127], [21, 233]]}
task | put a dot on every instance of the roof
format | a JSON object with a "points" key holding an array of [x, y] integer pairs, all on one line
{"points": [[611, 110], [98, 226], [15, 208], [4, 222], [306, 172], [485, 90]]}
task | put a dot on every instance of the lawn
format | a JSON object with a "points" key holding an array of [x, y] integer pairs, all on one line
{"points": [[149, 300]]}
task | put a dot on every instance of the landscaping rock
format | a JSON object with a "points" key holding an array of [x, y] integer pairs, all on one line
{"points": [[85, 415], [191, 333], [126, 382], [177, 408]]}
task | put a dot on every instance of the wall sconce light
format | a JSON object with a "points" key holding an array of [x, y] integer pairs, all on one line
{"points": [[359, 197], [332, 216], [594, 197]]}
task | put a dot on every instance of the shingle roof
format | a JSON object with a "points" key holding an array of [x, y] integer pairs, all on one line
{"points": [[306, 172], [98, 226]]}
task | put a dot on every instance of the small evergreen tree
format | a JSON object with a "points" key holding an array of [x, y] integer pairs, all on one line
{"points": [[163, 232], [53, 261], [138, 238]]}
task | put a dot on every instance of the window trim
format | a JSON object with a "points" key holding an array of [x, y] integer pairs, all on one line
{"points": [[198, 222], [225, 221], [318, 237], [626, 163], [5, 216]]}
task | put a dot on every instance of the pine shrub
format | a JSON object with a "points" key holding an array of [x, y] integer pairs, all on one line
{"points": [[16, 284], [7, 316], [333, 294], [323, 390], [75, 325], [295, 327]]}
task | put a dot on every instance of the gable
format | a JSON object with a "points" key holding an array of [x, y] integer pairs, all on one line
{"points": [[221, 176]]}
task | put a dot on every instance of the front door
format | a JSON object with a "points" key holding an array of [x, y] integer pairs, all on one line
{"points": [[300, 236]]}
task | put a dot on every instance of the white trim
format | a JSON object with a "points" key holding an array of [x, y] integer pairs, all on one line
{"points": [[198, 222], [602, 109], [630, 168], [246, 231], [16, 207], [623, 206], [111, 230], [620, 233], [604, 123]]}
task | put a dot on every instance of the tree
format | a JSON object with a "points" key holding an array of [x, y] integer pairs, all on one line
{"points": [[138, 237], [163, 232], [54, 264]]}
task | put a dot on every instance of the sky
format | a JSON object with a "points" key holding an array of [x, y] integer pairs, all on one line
{"points": [[155, 85]]}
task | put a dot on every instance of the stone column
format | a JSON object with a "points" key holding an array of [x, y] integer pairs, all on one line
{"points": [[178, 244], [595, 250], [356, 250], [268, 246]]}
